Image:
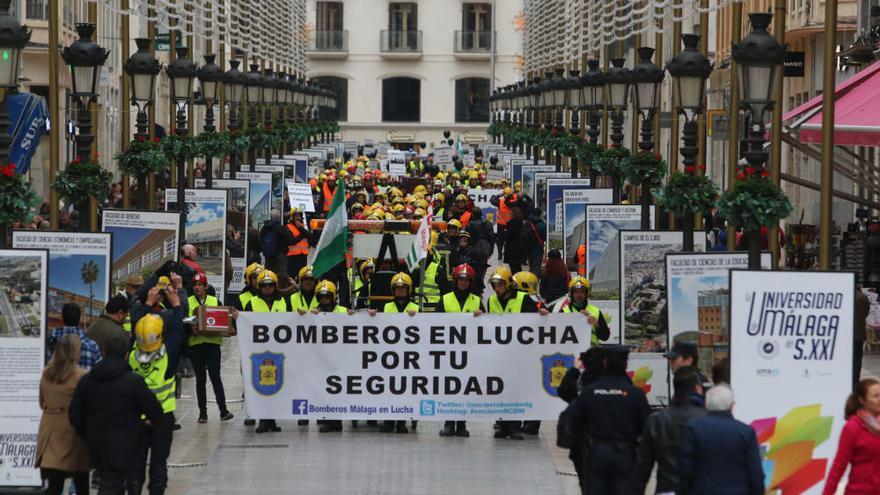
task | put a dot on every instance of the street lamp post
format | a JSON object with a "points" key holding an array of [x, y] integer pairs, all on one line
{"points": [[210, 77], [492, 106], [534, 105], [254, 90], [84, 58], [689, 70], [647, 78], [268, 104], [181, 72], [233, 86], [758, 58], [592, 99], [558, 93], [13, 38], [618, 81], [142, 69]]}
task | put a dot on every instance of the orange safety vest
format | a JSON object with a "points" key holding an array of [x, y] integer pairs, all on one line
{"points": [[582, 260], [504, 214], [328, 197], [301, 246], [465, 218]]}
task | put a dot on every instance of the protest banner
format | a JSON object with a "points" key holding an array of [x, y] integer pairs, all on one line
{"points": [[79, 270], [443, 157], [143, 241], [206, 230], [482, 198], [237, 210], [791, 351], [394, 366], [553, 198], [23, 292], [396, 163], [278, 176], [300, 196], [574, 218], [697, 285]]}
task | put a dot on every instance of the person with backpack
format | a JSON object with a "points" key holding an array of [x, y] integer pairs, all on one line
{"points": [[532, 237], [275, 239], [482, 235]]}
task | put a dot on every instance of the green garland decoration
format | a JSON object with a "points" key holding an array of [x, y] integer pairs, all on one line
{"points": [[143, 157], [754, 202], [180, 148], [644, 169], [610, 161], [81, 180], [687, 194], [17, 196]]}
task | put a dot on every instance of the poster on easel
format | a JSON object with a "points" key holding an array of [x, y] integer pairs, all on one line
{"points": [[23, 305], [574, 220], [553, 204], [237, 211], [278, 175], [791, 360], [143, 241], [206, 230]]}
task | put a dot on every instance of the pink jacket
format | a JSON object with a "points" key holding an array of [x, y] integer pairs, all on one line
{"points": [[859, 449]]}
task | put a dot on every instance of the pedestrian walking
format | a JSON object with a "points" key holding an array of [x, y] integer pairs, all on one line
{"points": [[109, 325], [90, 353], [860, 335], [204, 351], [859, 445]]}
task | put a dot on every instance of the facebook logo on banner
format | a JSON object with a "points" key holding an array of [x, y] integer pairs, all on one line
{"points": [[426, 408], [300, 407]]}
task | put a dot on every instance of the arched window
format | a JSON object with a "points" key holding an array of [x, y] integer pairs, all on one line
{"points": [[338, 85], [401, 99], [472, 99]]}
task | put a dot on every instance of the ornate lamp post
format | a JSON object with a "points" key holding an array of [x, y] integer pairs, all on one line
{"points": [[13, 38], [492, 107], [519, 105], [759, 60], [689, 70], [546, 105], [647, 78], [233, 89], [268, 104], [142, 69], [534, 105], [210, 77], [573, 103], [618, 80], [593, 97], [181, 72], [254, 90], [84, 58]]}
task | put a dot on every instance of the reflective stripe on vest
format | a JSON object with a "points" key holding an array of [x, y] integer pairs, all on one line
{"points": [[298, 302], [328, 197], [504, 214], [210, 301], [430, 289], [592, 310], [514, 304], [153, 374], [391, 307], [301, 246], [471, 304], [258, 305]]}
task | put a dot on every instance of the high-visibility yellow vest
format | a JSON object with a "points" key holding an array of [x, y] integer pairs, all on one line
{"points": [[298, 302], [153, 374], [471, 304], [210, 301], [592, 310], [391, 307], [126, 325], [514, 304], [245, 297], [430, 289], [259, 305], [336, 309]]}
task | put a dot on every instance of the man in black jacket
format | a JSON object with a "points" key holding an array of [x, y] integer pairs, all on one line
{"points": [[106, 411], [661, 439]]}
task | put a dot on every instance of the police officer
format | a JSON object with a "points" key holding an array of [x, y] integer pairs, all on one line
{"points": [[608, 417], [578, 301], [155, 356], [269, 300], [304, 299], [460, 300], [204, 351], [326, 291]]}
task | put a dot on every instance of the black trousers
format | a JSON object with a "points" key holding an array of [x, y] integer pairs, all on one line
{"points": [[295, 263], [858, 351], [118, 482], [609, 469], [56, 477], [157, 444], [206, 358]]}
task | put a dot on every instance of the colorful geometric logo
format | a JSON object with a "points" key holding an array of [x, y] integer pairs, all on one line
{"points": [[641, 377], [787, 447]]}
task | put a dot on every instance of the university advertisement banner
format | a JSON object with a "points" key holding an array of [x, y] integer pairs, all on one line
{"points": [[574, 217], [528, 177], [394, 366], [206, 230], [259, 196], [142, 242], [237, 211], [555, 216], [23, 291], [79, 270], [791, 357], [278, 175], [698, 291], [482, 198], [539, 188]]}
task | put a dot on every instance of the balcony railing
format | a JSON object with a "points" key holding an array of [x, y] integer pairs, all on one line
{"points": [[473, 41], [400, 41], [328, 41]]}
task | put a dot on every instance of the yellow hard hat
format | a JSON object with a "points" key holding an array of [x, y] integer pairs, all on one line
{"points": [[163, 283], [507, 191], [305, 272], [419, 213], [357, 205], [440, 176], [325, 287], [343, 173], [252, 269], [420, 189], [268, 277], [461, 197], [526, 282], [517, 186], [440, 197], [422, 203], [366, 263], [322, 176], [294, 211], [579, 283], [501, 274], [148, 335], [397, 200], [453, 223], [397, 208], [401, 279]]}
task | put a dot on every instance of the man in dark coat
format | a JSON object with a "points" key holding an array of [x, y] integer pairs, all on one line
{"points": [[719, 455], [106, 411], [661, 439]]}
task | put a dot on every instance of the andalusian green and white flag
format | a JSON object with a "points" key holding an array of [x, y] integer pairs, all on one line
{"points": [[419, 249], [334, 238]]}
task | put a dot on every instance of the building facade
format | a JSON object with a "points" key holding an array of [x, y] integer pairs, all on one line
{"points": [[408, 71]]}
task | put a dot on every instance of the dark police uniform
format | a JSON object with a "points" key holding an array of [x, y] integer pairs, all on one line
{"points": [[609, 417]]}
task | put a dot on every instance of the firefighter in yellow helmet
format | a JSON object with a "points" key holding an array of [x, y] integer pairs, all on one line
{"points": [[362, 283], [578, 301], [326, 293], [305, 298], [252, 289], [528, 282]]}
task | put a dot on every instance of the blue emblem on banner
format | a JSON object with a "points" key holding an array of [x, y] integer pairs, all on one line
{"points": [[267, 372], [553, 369]]}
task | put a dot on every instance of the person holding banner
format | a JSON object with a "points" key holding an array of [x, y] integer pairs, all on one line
{"points": [[460, 300], [361, 291], [578, 301], [304, 299], [205, 354], [326, 291], [298, 250], [432, 280]]}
